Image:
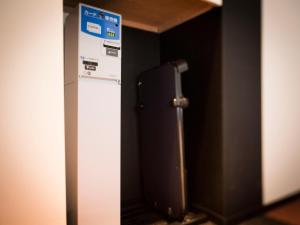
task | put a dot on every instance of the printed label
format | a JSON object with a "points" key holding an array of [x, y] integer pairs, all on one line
{"points": [[112, 52], [93, 28]]}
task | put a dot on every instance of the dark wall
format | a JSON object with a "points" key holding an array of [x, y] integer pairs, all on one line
{"points": [[222, 124], [199, 42], [241, 108], [140, 52]]}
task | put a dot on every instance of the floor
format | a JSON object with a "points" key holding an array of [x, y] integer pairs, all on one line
{"points": [[286, 214]]}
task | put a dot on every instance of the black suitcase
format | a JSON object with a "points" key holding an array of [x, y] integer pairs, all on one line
{"points": [[162, 146]]}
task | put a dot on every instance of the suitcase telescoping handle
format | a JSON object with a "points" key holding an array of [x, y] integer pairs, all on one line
{"points": [[180, 101], [181, 65]]}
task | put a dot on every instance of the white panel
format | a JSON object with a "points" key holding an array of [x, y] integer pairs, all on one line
{"points": [[98, 152], [32, 157], [280, 98], [94, 110]]}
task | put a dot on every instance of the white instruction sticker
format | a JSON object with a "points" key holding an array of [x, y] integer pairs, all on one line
{"points": [[93, 28]]}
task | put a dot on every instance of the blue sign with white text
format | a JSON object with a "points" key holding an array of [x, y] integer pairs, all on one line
{"points": [[100, 23]]}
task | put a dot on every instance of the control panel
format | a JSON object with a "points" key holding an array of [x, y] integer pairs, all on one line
{"points": [[99, 43]]}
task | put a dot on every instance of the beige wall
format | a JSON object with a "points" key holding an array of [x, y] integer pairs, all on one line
{"points": [[280, 98], [32, 163]]}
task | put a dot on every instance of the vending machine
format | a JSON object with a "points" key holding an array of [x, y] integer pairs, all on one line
{"points": [[92, 115]]}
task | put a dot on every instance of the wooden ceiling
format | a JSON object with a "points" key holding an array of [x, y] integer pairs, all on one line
{"points": [[152, 15]]}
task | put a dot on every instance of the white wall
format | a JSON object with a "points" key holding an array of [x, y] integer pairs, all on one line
{"points": [[280, 98], [32, 163]]}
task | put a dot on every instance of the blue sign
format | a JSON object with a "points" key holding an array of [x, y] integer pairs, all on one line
{"points": [[99, 23]]}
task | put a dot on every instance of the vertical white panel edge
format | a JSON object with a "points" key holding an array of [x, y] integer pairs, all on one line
{"points": [[280, 99]]}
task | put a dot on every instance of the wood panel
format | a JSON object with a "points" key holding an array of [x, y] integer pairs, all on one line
{"points": [[154, 16], [157, 16], [288, 213]]}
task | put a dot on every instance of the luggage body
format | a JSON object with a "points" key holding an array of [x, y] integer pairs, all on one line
{"points": [[161, 106]]}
